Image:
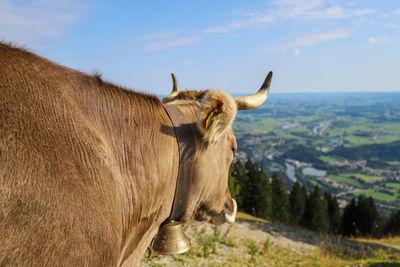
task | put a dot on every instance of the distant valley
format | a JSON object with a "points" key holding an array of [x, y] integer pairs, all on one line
{"points": [[347, 143]]}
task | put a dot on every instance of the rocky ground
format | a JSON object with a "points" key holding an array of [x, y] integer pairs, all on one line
{"points": [[252, 242]]}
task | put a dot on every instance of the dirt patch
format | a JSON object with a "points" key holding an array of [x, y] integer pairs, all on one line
{"points": [[262, 232]]}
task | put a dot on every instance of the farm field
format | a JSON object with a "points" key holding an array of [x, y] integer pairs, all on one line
{"points": [[347, 143]]}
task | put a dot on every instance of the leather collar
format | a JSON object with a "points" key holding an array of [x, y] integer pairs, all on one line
{"points": [[184, 134]]}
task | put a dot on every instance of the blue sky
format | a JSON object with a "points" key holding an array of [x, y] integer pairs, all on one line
{"points": [[311, 45]]}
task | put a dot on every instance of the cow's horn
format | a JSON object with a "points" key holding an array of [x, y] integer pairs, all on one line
{"points": [[256, 100], [175, 90], [175, 84], [175, 87]]}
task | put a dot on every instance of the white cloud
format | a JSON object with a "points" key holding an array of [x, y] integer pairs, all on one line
{"points": [[296, 8], [225, 28], [311, 40], [285, 10], [279, 11], [297, 52], [37, 21], [173, 43], [397, 11], [332, 12], [252, 19], [243, 13], [282, 9], [161, 35], [316, 9], [187, 62], [379, 40], [336, 12], [391, 26], [360, 12]]}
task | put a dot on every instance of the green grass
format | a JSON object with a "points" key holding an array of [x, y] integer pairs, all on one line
{"points": [[394, 185], [336, 132], [378, 195], [389, 127], [287, 135], [365, 178], [264, 126], [306, 118], [214, 250], [366, 125], [328, 159], [361, 124], [347, 180], [358, 140], [256, 125], [251, 253], [383, 139], [320, 141], [395, 240], [300, 130]]}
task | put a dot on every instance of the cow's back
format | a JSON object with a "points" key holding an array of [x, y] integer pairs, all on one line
{"points": [[54, 167]]}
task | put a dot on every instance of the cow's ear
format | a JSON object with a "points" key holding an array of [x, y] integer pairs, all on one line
{"points": [[217, 112]]}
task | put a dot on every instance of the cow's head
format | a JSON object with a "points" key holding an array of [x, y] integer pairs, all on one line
{"points": [[211, 113]]}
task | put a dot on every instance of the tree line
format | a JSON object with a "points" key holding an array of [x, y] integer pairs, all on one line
{"points": [[270, 199]]}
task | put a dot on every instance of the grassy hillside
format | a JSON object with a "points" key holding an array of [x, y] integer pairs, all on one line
{"points": [[256, 242]]}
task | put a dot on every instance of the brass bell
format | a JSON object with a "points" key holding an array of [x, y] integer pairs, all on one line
{"points": [[171, 240]]}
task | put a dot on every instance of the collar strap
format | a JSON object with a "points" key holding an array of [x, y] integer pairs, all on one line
{"points": [[186, 146]]}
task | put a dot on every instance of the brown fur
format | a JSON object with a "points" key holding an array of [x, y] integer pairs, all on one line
{"points": [[208, 101], [220, 109], [185, 95], [88, 169], [77, 182], [214, 154]]}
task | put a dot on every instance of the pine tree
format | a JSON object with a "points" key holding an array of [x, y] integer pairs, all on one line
{"points": [[334, 213], [239, 172], [392, 226], [375, 226], [297, 200], [316, 214], [280, 200], [262, 193], [367, 216], [233, 184], [249, 200], [305, 195], [349, 227], [257, 199], [361, 219]]}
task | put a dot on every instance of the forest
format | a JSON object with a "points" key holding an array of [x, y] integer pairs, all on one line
{"points": [[315, 210]]}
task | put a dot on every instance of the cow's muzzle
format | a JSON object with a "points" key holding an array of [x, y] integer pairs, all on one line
{"points": [[224, 216]]}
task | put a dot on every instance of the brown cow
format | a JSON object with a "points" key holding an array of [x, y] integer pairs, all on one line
{"points": [[88, 169]]}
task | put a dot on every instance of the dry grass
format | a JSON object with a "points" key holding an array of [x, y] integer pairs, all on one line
{"points": [[392, 241], [245, 216], [238, 246], [250, 253]]}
